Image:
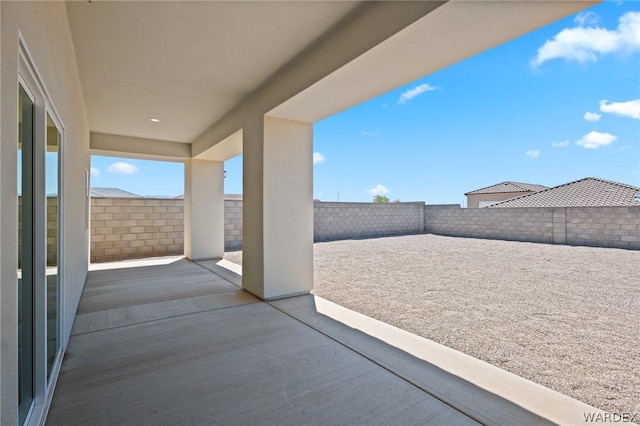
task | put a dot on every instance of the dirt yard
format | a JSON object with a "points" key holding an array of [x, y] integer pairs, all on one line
{"points": [[565, 317]]}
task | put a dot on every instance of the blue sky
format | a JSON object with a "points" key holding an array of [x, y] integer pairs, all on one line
{"points": [[555, 105]]}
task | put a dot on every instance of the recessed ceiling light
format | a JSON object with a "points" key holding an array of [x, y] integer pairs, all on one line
{"points": [[154, 120]]}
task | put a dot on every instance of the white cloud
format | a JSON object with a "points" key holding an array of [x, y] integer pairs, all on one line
{"points": [[412, 93], [588, 18], [122, 168], [592, 116], [560, 144], [95, 171], [318, 158], [534, 153], [625, 109], [585, 44], [594, 140], [379, 189]]}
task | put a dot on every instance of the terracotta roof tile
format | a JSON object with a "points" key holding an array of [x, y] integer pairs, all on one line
{"points": [[508, 187], [98, 192], [587, 192]]}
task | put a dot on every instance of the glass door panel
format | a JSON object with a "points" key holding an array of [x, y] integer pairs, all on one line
{"points": [[25, 253], [52, 186]]}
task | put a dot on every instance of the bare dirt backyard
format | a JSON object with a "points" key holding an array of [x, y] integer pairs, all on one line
{"points": [[565, 317]]}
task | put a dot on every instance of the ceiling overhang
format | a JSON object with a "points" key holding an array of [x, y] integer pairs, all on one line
{"points": [[185, 63], [128, 146], [229, 147], [449, 34], [204, 68]]}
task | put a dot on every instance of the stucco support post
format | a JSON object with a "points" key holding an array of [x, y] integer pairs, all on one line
{"points": [[277, 235], [203, 209]]}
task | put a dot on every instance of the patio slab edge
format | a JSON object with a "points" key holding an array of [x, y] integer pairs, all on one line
{"points": [[534, 398]]}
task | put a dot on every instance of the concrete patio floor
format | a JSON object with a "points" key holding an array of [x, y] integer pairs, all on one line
{"points": [[175, 342]]}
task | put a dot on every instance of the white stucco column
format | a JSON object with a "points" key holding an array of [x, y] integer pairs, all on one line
{"points": [[277, 236], [203, 209]]}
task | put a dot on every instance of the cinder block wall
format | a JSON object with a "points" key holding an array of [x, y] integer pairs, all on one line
{"points": [[52, 231], [617, 227], [127, 228], [336, 221], [232, 224], [604, 226], [333, 221], [520, 224]]}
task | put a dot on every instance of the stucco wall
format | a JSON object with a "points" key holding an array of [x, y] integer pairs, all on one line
{"points": [[617, 227], [45, 31]]}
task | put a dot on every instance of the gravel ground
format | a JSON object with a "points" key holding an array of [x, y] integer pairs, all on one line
{"points": [[565, 317]]}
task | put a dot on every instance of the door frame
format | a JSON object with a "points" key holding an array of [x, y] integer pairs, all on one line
{"points": [[43, 384]]}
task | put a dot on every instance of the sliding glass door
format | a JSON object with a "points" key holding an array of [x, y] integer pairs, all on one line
{"points": [[40, 279], [25, 254], [52, 205]]}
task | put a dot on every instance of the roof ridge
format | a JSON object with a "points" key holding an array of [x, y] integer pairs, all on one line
{"points": [[506, 182], [539, 192], [624, 185], [517, 197], [610, 182], [518, 184], [527, 184], [488, 186]]}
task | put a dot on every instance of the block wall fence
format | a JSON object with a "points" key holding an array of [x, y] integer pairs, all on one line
{"points": [[616, 227], [339, 221], [125, 228]]}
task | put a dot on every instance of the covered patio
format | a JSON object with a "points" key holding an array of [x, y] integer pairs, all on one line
{"points": [[200, 83], [170, 341]]}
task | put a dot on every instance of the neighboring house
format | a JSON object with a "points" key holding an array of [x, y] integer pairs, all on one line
{"points": [[499, 192], [587, 192], [97, 192]]}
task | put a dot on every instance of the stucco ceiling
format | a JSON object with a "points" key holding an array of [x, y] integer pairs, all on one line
{"points": [[450, 33], [202, 68], [184, 63]]}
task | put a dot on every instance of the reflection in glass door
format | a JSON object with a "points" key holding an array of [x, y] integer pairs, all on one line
{"points": [[52, 185], [25, 253]]}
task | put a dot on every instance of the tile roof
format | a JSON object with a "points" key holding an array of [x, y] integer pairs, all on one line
{"points": [[98, 192], [236, 197], [508, 187], [587, 192]]}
